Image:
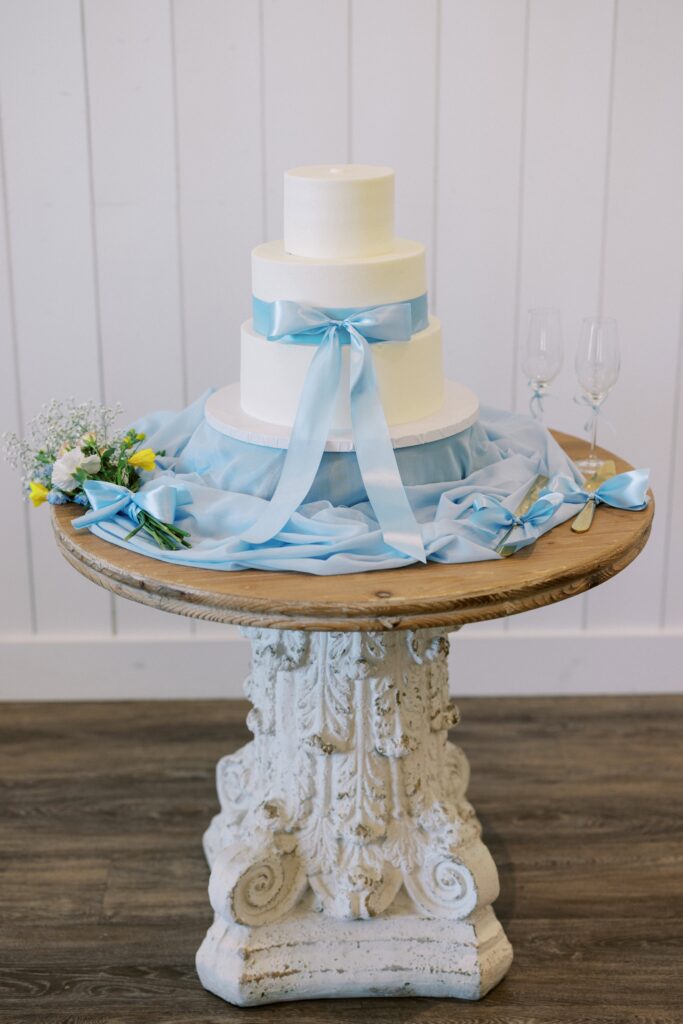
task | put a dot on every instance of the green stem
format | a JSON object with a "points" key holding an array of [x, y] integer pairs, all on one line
{"points": [[167, 535]]}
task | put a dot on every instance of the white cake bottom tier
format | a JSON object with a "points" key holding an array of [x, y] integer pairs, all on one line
{"points": [[409, 377]]}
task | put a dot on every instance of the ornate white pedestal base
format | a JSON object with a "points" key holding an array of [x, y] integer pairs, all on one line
{"points": [[309, 955], [346, 860]]}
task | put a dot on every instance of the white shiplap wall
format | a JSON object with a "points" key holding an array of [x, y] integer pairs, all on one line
{"points": [[538, 146]]}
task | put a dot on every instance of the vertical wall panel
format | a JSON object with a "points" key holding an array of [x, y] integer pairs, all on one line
{"points": [[306, 79], [130, 78], [49, 225], [565, 152], [480, 126], [393, 87], [480, 130], [16, 611], [672, 584], [217, 60], [642, 277]]}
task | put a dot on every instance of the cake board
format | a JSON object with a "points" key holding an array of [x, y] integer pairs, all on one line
{"points": [[459, 411]]}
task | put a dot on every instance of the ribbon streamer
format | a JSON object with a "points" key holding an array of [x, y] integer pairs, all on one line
{"points": [[109, 500], [293, 322]]}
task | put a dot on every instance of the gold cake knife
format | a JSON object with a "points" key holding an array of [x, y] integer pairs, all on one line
{"points": [[505, 550]]}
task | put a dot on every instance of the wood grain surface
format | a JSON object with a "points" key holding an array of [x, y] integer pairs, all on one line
{"points": [[560, 565], [103, 898]]}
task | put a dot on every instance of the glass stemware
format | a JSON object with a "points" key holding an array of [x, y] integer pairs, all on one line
{"points": [[542, 355], [597, 371]]}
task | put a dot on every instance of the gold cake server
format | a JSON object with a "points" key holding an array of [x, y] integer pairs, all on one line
{"points": [[583, 521]]}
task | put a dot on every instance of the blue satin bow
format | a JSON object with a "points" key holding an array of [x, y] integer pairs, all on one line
{"points": [[294, 322], [596, 410], [489, 517], [108, 500], [625, 490]]}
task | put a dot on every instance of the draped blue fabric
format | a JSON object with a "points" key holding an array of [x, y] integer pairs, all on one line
{"points": [[462, 490], [289, 322]]}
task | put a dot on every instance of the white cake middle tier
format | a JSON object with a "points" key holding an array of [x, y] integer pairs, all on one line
{"points": [[409, 377], [394, 276]]}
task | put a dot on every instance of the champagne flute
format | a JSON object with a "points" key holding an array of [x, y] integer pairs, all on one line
{"points": [[542, 355], [597, 370]]}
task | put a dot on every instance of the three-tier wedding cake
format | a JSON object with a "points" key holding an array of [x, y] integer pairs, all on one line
{"points": [[339, 253], [341, 352]]}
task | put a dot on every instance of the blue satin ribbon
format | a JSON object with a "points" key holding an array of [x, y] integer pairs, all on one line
{"points": [[536, 403], [107, 500], [625, 490], [489, 517], [295, 323], [267, 314]]}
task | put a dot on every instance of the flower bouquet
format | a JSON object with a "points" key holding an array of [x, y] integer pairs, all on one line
{"points": [[75, 455]]}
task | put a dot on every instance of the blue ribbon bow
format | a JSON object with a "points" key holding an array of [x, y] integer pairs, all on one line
{"points": [[625, 490], [293, 322], [490, 516], [107, 500], [596, 409]]}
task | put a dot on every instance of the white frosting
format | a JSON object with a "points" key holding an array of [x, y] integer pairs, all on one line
{"points": [[334, 212], [409, 377], [395, 276]]}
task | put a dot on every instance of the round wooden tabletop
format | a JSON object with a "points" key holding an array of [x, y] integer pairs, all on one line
{"points": [[559, 565]]}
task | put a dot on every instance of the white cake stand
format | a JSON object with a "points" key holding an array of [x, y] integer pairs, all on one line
{"points": [[459, 411]]}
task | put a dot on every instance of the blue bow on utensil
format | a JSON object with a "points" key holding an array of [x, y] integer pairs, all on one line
{"points": [[490, 516], [293, 322], [625, 490], [107, 500]]}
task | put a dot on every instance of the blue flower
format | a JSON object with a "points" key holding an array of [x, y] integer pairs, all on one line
{"points": [[56, 497], [80, 499]]}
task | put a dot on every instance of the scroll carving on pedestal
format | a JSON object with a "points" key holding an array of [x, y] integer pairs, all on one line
{"points": [[350, 785]]}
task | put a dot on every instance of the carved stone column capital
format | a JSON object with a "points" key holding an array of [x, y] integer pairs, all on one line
{"points": [[349, 802]]}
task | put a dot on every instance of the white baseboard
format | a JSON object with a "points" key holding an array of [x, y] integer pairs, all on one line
{"points": [[489, 663]]}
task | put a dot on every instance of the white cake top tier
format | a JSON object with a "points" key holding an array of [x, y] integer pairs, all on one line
{"points": [[335, 211]]}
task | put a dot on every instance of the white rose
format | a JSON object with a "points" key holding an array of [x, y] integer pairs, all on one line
{"points": [[65, 467], [91, 464]]}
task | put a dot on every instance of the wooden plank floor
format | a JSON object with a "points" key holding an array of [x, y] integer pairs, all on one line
{"points": [[103, 884]]}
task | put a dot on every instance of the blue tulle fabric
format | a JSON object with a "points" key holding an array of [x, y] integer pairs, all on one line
{"points": [[225, 483]]}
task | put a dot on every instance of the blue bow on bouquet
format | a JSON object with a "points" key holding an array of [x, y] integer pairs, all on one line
{"points": [[294, 323], [489, 517], [153, 509], [625, 490]]}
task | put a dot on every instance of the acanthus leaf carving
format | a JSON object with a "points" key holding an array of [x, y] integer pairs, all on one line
{"points": [[325, 693], [350, 785]]}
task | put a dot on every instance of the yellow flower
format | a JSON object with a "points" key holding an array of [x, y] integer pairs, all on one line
{"points": [[139, 437], [144, 459], [37, 493]]}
